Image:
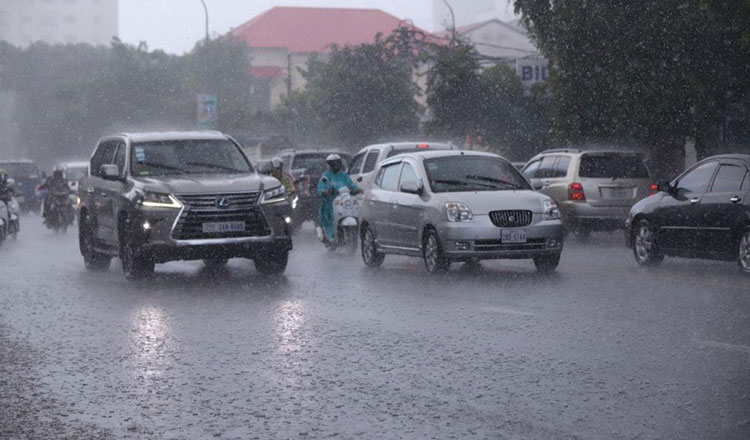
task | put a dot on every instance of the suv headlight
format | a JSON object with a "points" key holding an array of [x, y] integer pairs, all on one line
{"points": [[150, 199], [458, 212], [551, 210], [274, 195]]}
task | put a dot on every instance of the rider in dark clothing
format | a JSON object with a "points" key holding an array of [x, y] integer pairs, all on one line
{"points": [[6, 189], [56, 183]]}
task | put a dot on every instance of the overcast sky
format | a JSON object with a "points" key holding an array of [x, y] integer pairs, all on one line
{"points": [[175, 25]]}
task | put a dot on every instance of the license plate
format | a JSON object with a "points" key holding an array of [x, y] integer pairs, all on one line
{"points": [[618, 193], [224, 227], [513, 236]]}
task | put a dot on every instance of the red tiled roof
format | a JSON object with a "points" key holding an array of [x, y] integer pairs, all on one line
{"points": [[305, 30], [265, 71]]}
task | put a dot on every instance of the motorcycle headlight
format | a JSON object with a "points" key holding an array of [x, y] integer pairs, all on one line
{"points": [[551, 210], [274, 195], [150, 199], [458, 212], [295, 200]]}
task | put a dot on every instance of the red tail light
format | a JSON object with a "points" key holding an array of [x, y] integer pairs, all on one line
{"points": [[423, 146], [654, 188], [575, 192]]}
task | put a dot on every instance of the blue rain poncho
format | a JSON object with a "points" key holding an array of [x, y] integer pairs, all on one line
{"points": [[328, 181]]}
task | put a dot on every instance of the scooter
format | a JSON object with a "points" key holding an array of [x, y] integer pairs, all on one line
{"points": [[61, 213], [346, 218]]}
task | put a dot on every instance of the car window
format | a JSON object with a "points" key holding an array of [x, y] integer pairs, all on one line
{"points": [[408, 175], [697, 179], [546, 168], [120, 157], [561, 166], [472, 173], [388, 177], [371, 161], [745, 182], [357, 163], [728, 178], [613, 166], [189, 156], [103, 155], [531, 168]]}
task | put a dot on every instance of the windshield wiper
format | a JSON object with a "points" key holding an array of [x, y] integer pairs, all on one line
{"points": [[216, 166], [451, 182], [493, 180]]}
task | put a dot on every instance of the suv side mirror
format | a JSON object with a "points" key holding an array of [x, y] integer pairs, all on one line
{"points": [[110, 172], [412, 188], [537, 184], [664, 186]]}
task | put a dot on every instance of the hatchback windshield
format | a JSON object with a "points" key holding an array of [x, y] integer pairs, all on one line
{"points": [[472, 173], [613, 166], [187, 157]]}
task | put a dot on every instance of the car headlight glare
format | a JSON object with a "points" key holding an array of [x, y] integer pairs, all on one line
{"points": [[150, 199], [458, 212], [551, 210], [274, 195]]}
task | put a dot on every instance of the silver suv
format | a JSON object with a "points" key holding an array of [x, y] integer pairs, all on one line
{"points": [[595, 189], [457, 206], [154, 197]]}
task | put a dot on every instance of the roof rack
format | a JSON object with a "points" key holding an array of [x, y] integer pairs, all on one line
{"points": [[561, 150]]}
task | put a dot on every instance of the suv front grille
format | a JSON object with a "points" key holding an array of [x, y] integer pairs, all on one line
{"points": [[511, 219], [200, 208]]}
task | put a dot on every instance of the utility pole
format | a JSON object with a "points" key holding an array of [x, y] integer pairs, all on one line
{"points": [[205, 9], [453, 21]]}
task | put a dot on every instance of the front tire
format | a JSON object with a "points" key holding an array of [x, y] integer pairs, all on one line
{"points": [[546, 263], [370, 255], [272, 264], [93, 260], [135, 263], [434, 259], [743, 251], [645, 246]]}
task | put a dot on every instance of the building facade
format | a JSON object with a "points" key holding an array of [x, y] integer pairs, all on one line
{"points": [[23, 22], [467, 12]]}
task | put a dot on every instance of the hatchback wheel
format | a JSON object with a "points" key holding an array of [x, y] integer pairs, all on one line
{"points": [[645, 247], [370, 255], [743, 251], [434, 260]]}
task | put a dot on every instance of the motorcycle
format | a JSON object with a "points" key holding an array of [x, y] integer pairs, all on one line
{"points": [[346, 218], [61, 213], [10, 223]]}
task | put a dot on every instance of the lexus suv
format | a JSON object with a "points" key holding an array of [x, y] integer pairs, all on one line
{"points": [[155, 197]]}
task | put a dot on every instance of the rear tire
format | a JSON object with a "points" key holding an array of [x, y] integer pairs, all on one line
{"points": [[272, 264], [93, 260], [370, 255], [743, 251], [645, 246], [546, 263], [434, 259]]}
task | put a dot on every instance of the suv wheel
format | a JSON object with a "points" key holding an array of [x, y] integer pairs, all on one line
{"points": [[434, 260], [370, 255], [135, 264], [273, 263], [645, 248], [546, 263], [743, 251], [91, 258]]}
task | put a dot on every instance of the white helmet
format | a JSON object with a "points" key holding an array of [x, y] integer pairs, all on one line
{"points": [[276, 163], [333, 157]]}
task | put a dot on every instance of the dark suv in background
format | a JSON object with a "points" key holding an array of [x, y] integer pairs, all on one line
{"points": [[154, 197], [27, 176]]}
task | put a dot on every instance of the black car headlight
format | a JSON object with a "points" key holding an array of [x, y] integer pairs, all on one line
{"points": [[274, 195]]}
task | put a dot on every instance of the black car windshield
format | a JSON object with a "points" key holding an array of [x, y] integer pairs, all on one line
{"points": [[187, 157], [472, 173], [20, 170], [613, 166]]}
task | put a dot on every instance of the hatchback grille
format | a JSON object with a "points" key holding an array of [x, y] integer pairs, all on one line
{"points": [[237, 207], [511, 219], [498, 245]]}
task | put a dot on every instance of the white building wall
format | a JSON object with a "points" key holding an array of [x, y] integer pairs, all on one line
{"points": [[469, 12], [23, 22]]}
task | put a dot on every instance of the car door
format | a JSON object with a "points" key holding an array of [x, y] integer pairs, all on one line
{"points": [[379, 203], [356, 165], [530, 170], [721, 207], [678, 216], [368, 173], [407, 210], [110, 193], [95, 193]]}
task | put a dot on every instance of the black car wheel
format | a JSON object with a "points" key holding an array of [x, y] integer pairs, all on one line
{"points": [[91, 258], [135, 263], [215, 263], [370, 255], [272, 263], [645, 247], [743, 251], [434, 260], [546, 263]]}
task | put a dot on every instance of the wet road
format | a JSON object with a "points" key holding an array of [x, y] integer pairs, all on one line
{"points": [[601, 349]]}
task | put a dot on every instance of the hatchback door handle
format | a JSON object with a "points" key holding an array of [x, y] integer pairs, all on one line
{"points": [[695, 200], [735, 199]]}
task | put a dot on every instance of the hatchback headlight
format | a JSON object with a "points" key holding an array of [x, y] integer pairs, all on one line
{"points": [[551, 210], [274, 195], [458, 212], [150, 199]]}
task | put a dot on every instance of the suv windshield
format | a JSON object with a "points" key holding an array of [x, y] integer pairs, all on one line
{"points": [[613, 166], [187, 157], [472, 173], [20, 169]]}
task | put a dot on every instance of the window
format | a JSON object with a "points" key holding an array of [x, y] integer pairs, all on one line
{"points": [[613, 166], [371, 161], [472, 173], [357, 163], [388, 177], [728, 179], [561, 166], [190, 156], [104, 155], [697, 179], [546, 168], [120, 158], [408, 175], [531, 168]]}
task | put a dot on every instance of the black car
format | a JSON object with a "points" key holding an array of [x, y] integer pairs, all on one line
{"points": [[703, 213], [27, 177]]}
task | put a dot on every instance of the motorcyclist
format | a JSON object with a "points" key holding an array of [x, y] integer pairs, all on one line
{"points": [[6, 189], [277, 171], [328, 188], [56, 183]]}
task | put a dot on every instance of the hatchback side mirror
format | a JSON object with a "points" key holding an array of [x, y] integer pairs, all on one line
{"points": [[412, 188], [110, 172], [664, 186]]}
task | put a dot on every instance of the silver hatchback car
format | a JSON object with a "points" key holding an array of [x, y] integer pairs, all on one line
{"points": [[447, 206]]}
